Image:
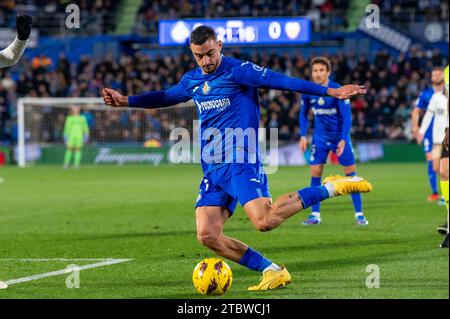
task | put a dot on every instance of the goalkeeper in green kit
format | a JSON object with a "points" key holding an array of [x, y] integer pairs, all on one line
{"points": [[76, 133]]}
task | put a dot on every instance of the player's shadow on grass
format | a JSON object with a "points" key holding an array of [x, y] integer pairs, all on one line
{"points": [[315, 246], [363, 261]]}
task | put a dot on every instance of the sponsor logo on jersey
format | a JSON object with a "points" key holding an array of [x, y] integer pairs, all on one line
{"points": [[332, 111], [219, 105]]}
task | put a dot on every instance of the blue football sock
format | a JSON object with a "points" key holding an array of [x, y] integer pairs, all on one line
{"points": [[254, 260], [356, 198], [313, 195], [432, 177], [315, 181]]}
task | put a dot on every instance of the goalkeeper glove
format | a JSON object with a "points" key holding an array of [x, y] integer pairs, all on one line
{"points": [[23, 24]]}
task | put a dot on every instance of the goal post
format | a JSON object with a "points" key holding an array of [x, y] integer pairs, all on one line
{"points": [[116, 135]]}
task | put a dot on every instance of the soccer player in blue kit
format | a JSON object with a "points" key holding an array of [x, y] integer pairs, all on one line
{"points": [[332, 124], [224, 90]]}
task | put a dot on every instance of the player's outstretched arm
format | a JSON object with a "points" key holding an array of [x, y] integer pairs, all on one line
{"points": [[252, 75], [12, 54], [150, 100]]}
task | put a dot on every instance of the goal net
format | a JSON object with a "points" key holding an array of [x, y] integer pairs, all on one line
{"points": [[116, 135]]}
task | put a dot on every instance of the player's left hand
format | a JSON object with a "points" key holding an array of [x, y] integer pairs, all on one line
{"points": [[23, 25], [347, 91], [340, 148]]}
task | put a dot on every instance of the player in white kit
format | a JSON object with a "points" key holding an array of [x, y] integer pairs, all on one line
{"points": [[12, 54]]}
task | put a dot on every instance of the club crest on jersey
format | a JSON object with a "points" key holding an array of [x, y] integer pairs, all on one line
{"points": [[321, 101], [257, 67], [206, 88]]}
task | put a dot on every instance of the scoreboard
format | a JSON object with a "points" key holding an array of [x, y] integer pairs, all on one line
{"points": [[292, 30]]}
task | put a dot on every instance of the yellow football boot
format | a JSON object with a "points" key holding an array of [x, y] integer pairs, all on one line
{"points": [[344, 185], [273, 279]]}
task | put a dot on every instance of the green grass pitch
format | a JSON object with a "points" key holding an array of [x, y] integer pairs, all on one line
{"points": [[146, 214]]}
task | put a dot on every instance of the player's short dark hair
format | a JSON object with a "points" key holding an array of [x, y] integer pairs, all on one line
{"points": [[321, 60], [202, 34], [438, 68]]}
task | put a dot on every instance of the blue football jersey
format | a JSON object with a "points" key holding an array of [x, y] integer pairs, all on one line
{"points": [[228, 111], [332, 117], [228, 107]]}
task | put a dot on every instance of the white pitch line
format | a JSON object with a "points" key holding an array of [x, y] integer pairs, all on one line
{"points": [[65, 271], [54, 259]]}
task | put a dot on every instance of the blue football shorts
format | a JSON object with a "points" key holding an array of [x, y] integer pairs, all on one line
{"points": [[227, 185], [320, 151]]}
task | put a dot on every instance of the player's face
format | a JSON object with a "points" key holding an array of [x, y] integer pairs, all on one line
{"points": [[75, 111], [437, 77], [207, 55], [319, 73]]}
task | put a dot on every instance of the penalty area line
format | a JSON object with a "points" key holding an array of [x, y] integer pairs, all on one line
{"points": [[65, 271]]}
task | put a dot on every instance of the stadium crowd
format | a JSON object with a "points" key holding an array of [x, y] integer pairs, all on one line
{"points": [[49, 16], [325, 14], [393, 84]]}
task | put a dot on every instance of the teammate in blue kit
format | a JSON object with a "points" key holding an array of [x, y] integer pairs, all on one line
{"points": [[225, 92], [332, 123], [437, 81]]}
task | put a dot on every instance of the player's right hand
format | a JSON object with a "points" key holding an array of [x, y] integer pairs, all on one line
{"points": [[303, 144], [347, 91], [23, 25], [114, 98]]}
